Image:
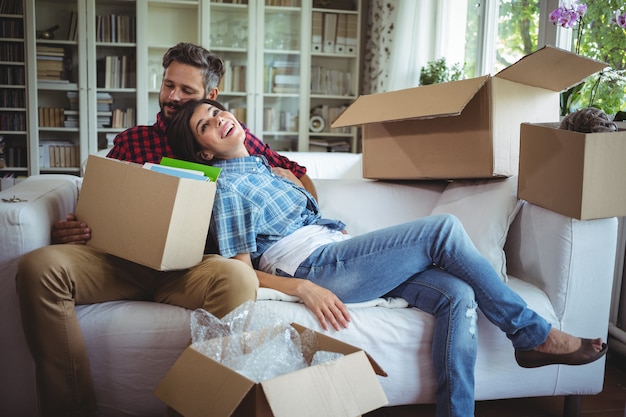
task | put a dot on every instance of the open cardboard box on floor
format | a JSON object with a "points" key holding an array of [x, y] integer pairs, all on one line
{"points": [[198, 386], [580, 175], [463, 129], [153, 219]]}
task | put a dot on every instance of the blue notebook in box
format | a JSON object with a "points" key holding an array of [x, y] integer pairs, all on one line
{"points": [[209, 171]]}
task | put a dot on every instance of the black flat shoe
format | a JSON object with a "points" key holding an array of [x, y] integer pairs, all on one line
{"points": [[585, 354]]}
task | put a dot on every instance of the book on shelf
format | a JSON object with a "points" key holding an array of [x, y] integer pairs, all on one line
{"points": [[323, 145], [283, 77], [115, 28], [51, 117], [234, 79], [317, 30], [123, 119], [352, 38], [58, 154], [330, 32], [71, 119], [115, 72], [73, 24], [341, 34], [15, 156], [11, 7], [47, 50]]}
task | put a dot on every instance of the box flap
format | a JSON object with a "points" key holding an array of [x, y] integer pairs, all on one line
{"points": [[334, 345], [551, 68], [446, 99], [197, 386], [343, 388]]}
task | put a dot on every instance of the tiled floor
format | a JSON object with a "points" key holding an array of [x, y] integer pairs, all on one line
{"points": [[609, 403]]}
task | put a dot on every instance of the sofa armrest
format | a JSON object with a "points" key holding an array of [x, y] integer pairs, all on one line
{"points": [[571, 260], [25, 225]]}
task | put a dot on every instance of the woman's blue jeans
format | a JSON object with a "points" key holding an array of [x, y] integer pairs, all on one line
{"points": [[433, 264]]}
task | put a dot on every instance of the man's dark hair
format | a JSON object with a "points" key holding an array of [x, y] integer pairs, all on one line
{"points": [[211, 65]]}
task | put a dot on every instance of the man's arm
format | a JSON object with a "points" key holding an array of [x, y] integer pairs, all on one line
{"points": [[308, 185], [304, 181], [256, 146]]}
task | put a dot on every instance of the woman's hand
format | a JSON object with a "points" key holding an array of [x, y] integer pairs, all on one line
{"points": [[71, 231], [323, 303]]}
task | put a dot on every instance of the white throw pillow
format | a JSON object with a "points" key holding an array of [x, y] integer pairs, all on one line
{"points": [[486, 208]]}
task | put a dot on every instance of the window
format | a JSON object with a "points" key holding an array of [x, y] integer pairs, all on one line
{"points": [[501, 32]]}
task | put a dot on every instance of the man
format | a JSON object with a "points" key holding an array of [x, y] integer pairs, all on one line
{"points": [[190, 72], [53, 279]]}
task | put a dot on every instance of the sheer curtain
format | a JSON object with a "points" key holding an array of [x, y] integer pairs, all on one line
{"points": [[403, 35]]}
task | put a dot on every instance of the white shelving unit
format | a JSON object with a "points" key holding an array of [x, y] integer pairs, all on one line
{"points": [[269, 48], [54, 96]]}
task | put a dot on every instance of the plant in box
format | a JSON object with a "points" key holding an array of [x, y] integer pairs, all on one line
{"points": [[601, 33]]}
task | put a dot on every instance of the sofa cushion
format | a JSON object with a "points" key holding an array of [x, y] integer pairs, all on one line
{"points": [[486, 208]]}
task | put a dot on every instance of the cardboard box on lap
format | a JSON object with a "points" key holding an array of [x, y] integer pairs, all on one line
{"points": [[154, 219], [198, 386], [580, 175], [467, 128]]}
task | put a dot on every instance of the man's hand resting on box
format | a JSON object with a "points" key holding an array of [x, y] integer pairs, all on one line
{"points": [[70, 231]]}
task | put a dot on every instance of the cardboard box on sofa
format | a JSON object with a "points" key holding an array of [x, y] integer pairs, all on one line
{"points": [[154, 219], [580, 175], [463, 129], [198, 386]]}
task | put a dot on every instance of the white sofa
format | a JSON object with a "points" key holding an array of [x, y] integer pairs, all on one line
{"points": [[562, 267]]}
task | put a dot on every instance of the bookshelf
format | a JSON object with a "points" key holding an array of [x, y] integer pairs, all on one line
{"points": [[58, 128], [13, 94], [113, 103]]}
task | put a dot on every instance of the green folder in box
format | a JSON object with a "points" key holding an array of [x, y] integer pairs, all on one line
{"points": [[211, 172]]}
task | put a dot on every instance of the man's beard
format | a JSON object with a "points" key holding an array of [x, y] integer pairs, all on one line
{"points": [[169, 107]]}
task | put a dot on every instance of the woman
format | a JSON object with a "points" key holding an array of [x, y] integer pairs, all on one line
{"points": [[275, 226]]}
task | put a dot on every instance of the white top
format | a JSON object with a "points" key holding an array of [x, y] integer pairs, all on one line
{"points": [[289, 252]]}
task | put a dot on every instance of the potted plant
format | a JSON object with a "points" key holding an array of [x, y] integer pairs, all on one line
{"points": [[600, 35], [438, 71]]}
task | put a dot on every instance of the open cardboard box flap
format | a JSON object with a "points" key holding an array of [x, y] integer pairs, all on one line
{"points": [[436, 100], [550, 68]]}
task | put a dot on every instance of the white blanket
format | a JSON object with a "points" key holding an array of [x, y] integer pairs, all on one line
{"points": [[390, 302]]}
